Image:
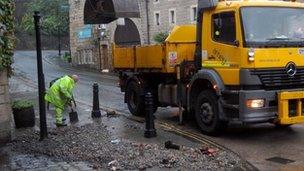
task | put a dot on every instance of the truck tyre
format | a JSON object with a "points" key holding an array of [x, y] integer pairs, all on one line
{"points": [[135, 101], [207, 113]]}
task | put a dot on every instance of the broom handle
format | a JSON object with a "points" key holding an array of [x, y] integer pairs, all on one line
{"points": [[73, 99]]}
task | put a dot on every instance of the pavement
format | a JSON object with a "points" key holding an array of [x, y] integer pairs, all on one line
{"points": [[263, 145]]}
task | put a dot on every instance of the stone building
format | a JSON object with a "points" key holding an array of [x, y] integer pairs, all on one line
{"points": [[5, 109], [83, 41], [165, 14], [91, 44]]}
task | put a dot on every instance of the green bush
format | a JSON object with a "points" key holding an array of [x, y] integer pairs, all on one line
{"points": [[160, 37], [22, 104], [7, 38]]}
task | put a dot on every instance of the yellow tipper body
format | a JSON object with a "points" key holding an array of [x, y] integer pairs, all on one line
{"points": [[179, 46]]}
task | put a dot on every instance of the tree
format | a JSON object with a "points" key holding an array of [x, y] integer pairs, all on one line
{"points": [[54, 20], [160, 37]]}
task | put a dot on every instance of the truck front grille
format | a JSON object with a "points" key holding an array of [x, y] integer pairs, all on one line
{"points": [[279, 77]]}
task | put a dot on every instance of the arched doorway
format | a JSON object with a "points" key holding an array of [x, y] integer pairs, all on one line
{"points": [[127, 34]]}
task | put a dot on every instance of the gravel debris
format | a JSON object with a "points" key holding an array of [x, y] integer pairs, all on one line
{"points": [[92, 143]]}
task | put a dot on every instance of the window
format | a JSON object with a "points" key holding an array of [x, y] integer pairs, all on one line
{"points": [[157, 18], [273, 26], [224, 27], [172, 16], [193, 13]]}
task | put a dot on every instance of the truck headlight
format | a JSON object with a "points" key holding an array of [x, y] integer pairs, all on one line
{"points": [[255, 103], [251, 55]]}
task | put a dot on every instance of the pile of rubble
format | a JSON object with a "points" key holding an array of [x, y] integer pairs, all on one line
{"points": [[92, 143]]}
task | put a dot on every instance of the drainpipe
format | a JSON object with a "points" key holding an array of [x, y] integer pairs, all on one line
{"points": [[148, 20]]}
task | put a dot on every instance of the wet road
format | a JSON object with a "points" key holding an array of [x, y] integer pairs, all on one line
{"points": [[254, 143], [110, 95]]}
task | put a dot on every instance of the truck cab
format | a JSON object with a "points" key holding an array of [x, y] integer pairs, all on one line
{"points": [[256, 50]]}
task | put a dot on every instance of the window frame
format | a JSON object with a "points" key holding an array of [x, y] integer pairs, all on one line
{"points": [[235, 26], [156, 1], [172, 22], [193, 17], [155, 18], [245, 43]]}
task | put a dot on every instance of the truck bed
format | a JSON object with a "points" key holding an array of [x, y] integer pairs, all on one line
{"points": [[179, 46]]}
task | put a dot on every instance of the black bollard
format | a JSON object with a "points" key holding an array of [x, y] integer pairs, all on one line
{"points": [[150, 131], [41, 82], [96, 110]]}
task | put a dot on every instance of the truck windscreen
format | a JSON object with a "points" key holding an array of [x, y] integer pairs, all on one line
{"points": [[273, 26]]}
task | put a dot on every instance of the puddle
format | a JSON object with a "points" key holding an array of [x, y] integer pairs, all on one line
{"points": [[280, 160], [19, 161]]}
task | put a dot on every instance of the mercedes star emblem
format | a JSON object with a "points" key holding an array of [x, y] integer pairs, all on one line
{"points": [[291, 69]]}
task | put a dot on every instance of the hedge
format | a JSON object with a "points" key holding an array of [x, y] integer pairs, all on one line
{"points": [[7, 38]]}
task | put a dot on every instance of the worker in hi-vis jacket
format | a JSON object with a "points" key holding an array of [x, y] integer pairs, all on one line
{"points": [[60, 95]]}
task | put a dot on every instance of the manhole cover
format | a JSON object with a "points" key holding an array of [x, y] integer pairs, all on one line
{"points": [[280, 160]]}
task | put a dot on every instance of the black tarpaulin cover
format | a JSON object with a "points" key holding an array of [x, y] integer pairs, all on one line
{"points": [[106, 11]]}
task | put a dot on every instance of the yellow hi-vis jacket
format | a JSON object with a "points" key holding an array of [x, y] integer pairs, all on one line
{"points": [[60, 93]]}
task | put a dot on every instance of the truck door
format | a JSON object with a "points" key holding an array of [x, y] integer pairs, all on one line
{"points": [[223, 46]]}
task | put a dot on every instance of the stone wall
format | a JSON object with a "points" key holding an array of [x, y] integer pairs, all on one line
{"points": [[182, 10], [5, 109]]}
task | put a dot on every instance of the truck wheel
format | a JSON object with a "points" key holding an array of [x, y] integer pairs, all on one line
{"points": [[136, 103], [207, 113]]}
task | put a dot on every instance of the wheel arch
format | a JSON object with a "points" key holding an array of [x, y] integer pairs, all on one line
{"points": [[133, 78], [203, 80]]}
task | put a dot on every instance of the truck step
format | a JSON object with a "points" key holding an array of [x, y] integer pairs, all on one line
{"points": [[231, 92], [230, 106]]}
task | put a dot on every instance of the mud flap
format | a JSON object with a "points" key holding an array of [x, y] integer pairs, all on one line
{"points": [[290, 107]]}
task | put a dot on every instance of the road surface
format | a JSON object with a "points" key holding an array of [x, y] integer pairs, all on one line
{"points": [[255, 143]]}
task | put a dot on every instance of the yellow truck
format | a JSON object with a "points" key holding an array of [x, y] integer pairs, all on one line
{"points": [[243, 61]]}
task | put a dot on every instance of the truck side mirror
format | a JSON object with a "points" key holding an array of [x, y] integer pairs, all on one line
{"points": [[236, 43]]}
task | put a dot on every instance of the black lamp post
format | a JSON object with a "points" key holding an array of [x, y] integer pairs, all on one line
{"points": [[41, 83]]}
